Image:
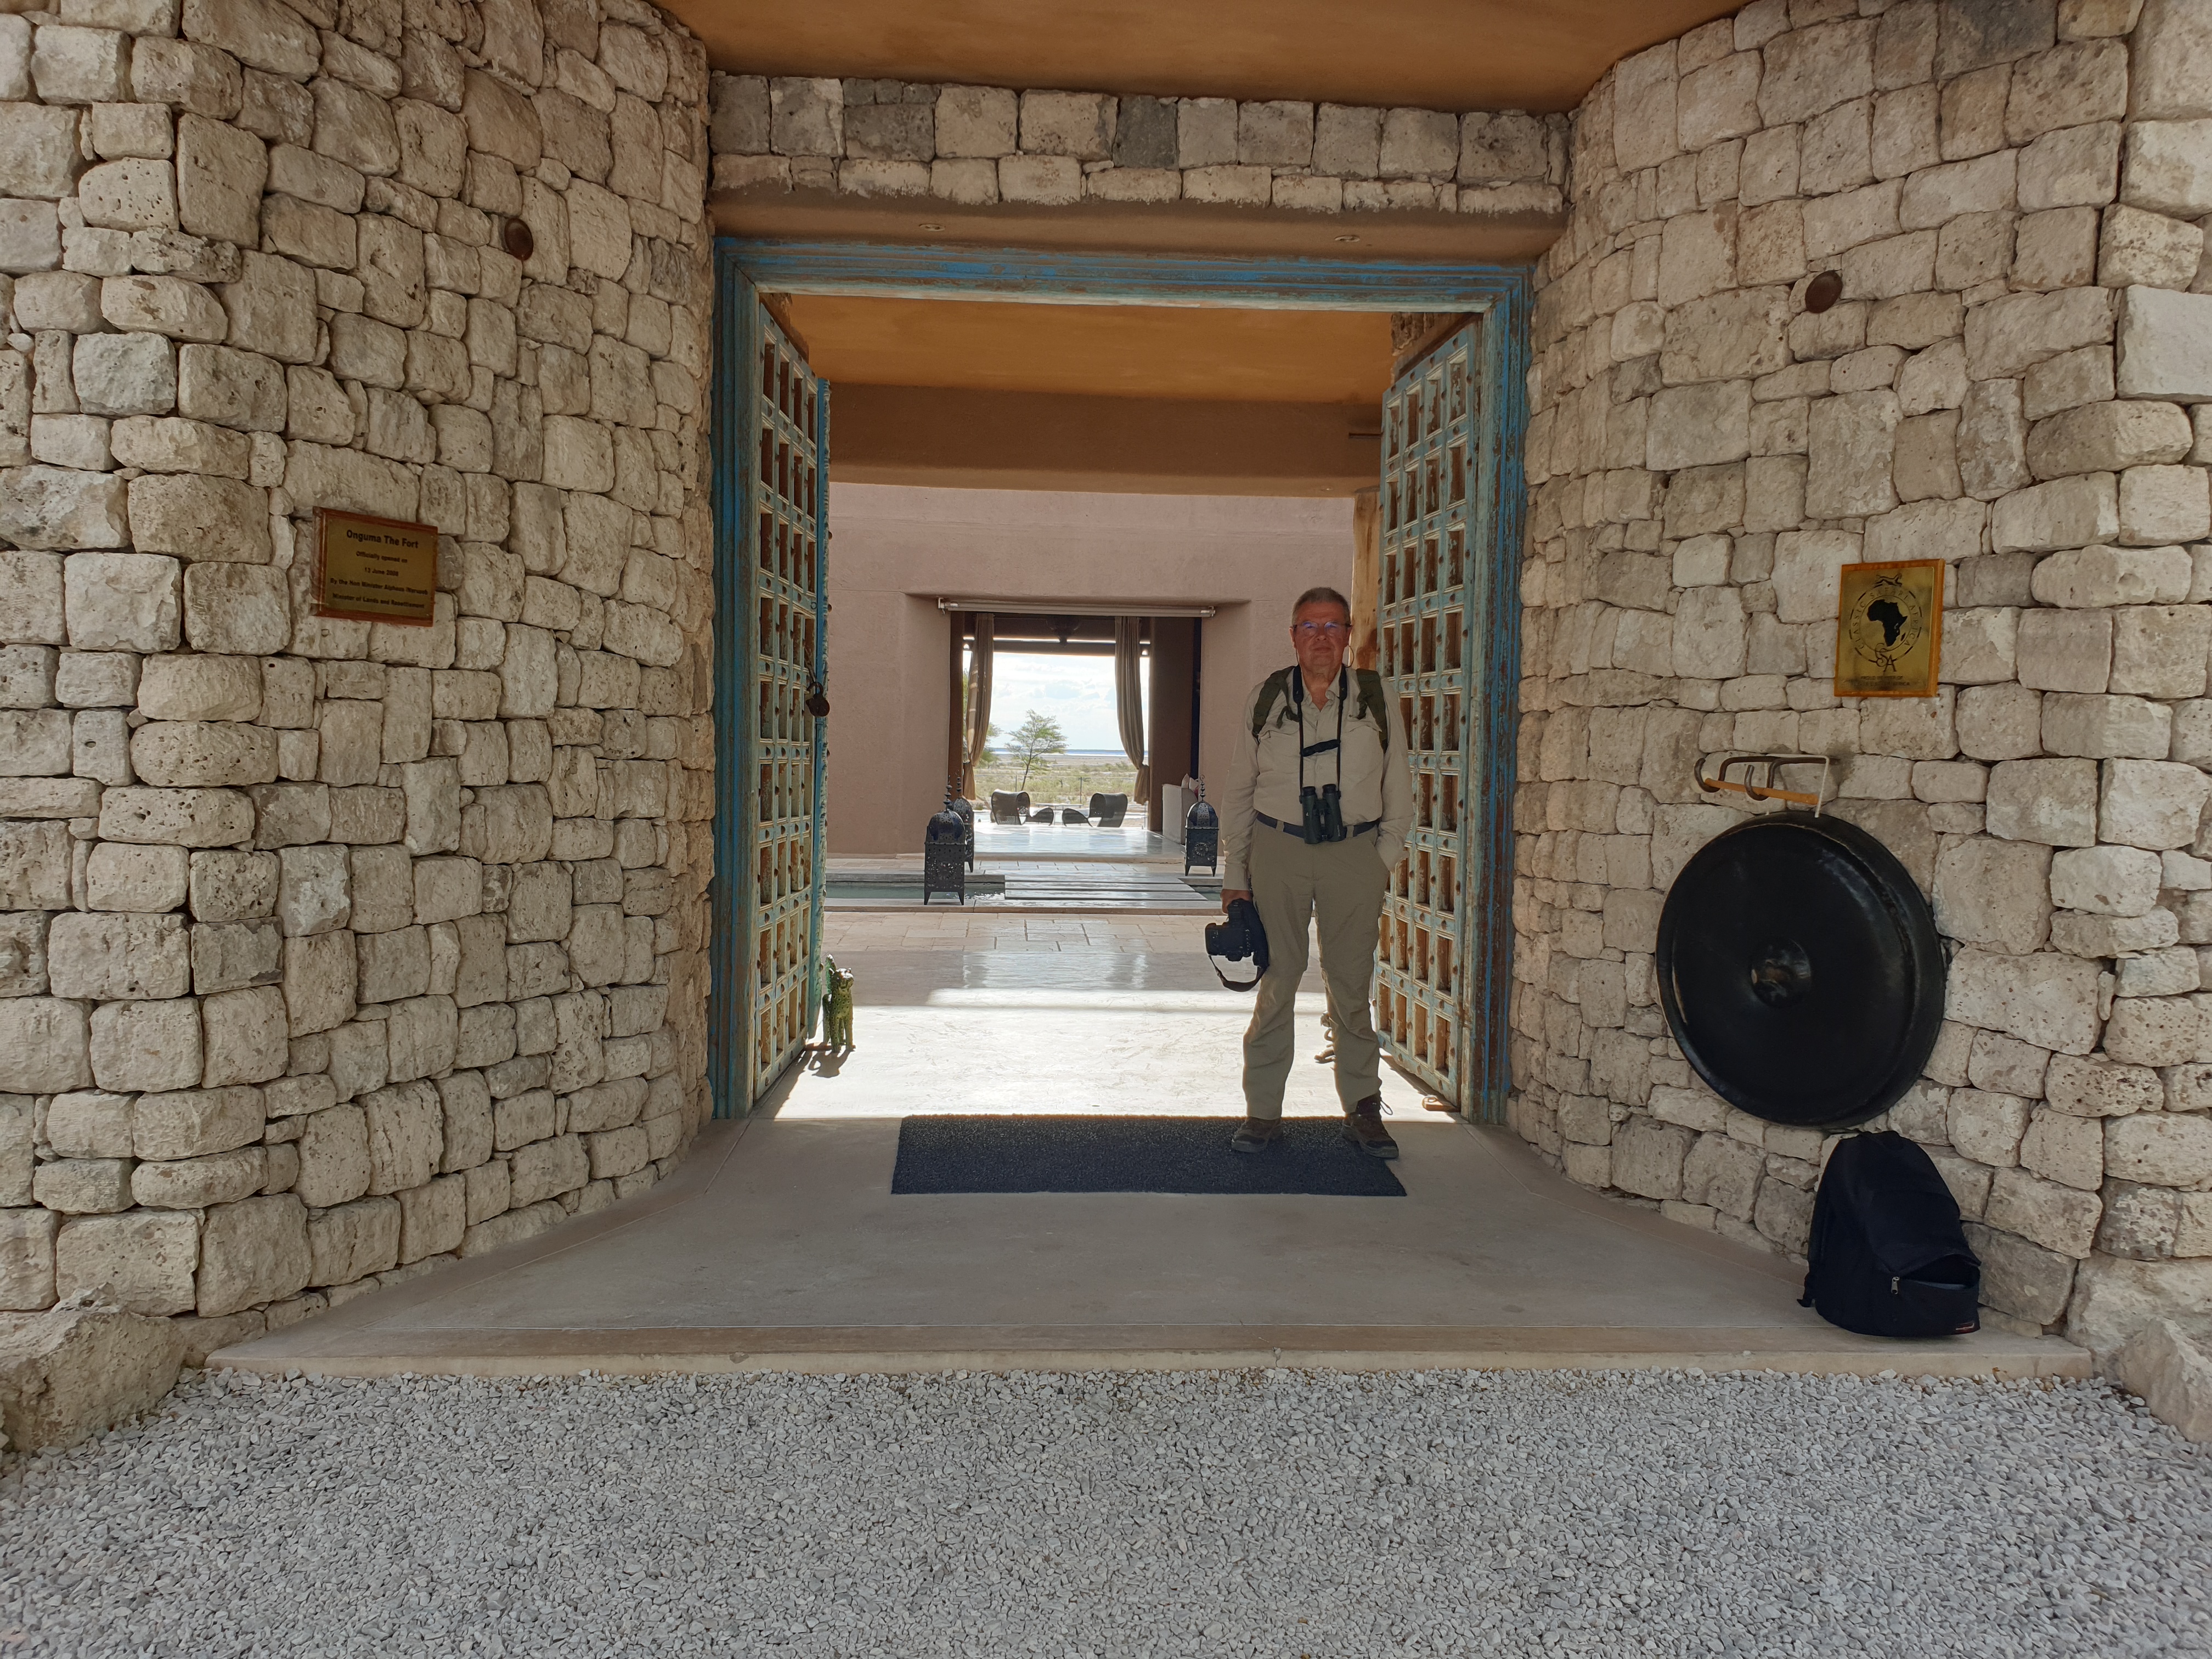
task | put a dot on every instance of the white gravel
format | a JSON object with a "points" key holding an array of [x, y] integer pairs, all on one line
{"points": [[1275, 1514]]}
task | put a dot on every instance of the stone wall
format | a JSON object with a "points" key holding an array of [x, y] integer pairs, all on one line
{"points": [[333, 951], [980, 146], [2014, 193]]}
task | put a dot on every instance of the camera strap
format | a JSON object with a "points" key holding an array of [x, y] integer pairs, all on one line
{"points": [[1336, 742]]}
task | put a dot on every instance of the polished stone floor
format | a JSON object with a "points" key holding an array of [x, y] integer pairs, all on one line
{"points": [[778, 1245]]}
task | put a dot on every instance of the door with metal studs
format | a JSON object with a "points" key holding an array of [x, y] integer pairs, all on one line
{"points": [[1432, 525], [772, 619]]}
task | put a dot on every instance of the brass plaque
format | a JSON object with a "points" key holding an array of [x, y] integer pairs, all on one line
{"points": [[375, 569], [1889, 629]]}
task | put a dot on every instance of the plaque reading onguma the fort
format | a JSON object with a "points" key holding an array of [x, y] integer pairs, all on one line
{"points": [[375, 569]]}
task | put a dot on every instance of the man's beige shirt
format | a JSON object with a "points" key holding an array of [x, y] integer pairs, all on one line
{"points": [[1263, 776]]}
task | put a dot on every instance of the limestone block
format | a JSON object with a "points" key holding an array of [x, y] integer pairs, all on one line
{"points": [[187, 753], [2166, 1363], [2164, 504], [976, 121], [110, 955], [351, 1241], [53, 506], [1987, 1127], [2105, 437], [71, 1372], [243, 1036], [1648, 1156], [122, 601], [2153, 1031], [137, 194], [2046, 999], [169, 306], [197, 518], [315, 892], [252, 1252], [546, 1169], [141, 1262], [272, 309], [2021, 1279], [2151, 804], [27, 1258], [2167, 170], [2163, 345], [406, 1135], [43, 1045], [2118, 881], [334, 1161], [39, 145], [2161, 1148], [125, 375], [83, 1186], [2147, 248], [30, 235], [2096, 1086], [2160, 650], [1994, 892], [425, 1036], [198, 1183]]}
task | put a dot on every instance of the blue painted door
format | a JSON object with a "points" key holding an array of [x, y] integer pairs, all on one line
{"points": [[1434, 534], [772, 418]]}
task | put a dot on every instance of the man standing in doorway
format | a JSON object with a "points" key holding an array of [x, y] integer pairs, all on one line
{"points": [[1313, 819]]}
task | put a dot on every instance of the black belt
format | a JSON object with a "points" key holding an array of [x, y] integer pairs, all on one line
{"points": [[1294, 830]]}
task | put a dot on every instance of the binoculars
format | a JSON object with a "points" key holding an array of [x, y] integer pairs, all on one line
{"points": [[1324, 814]]}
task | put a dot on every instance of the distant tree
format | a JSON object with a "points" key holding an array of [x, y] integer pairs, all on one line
{"points": [[1038, 738]]}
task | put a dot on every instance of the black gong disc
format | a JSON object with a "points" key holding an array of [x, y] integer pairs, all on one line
{"points": [[1800, 970]]}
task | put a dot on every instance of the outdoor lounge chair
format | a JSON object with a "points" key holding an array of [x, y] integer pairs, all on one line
{"points": [[1107, 810], [1010, 808]]}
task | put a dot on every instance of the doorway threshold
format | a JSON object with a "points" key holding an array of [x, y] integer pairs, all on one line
{"points": [[779, 1248]]}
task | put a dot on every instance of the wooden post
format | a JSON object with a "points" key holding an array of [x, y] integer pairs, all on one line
{"points": [[955, 722], [1170, 717]]}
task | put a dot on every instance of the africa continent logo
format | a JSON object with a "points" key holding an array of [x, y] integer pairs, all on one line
{"points": [[1888, 621]]}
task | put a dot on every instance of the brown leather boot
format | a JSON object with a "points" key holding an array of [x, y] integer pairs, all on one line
{"points": [[1363, 1127], [1256, 1134]]}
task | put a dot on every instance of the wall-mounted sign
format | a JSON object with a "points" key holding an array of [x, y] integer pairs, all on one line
{"points": [[1889, 629], [375, 569]]}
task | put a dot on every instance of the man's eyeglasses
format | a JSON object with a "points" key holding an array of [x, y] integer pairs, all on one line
{"points": [[1314, 630]]}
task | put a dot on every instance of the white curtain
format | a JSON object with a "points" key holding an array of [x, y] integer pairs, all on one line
{"points": [[1129, 700], [979, 703]]}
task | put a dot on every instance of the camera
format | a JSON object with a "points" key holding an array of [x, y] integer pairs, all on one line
{"points": [[1324, 814]]}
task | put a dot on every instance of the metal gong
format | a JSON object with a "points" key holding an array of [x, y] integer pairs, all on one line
{"points": [[1800, 970]]}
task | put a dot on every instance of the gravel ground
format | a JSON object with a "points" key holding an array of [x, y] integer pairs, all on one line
{"points": [[1277, 1514]]}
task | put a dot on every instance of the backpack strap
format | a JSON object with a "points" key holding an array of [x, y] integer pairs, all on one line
{"points": [[1273, 690], [1373, 703], [1374, 700]]}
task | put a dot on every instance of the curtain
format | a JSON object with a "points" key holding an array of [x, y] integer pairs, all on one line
{"points": [[1129, 700], [979, 703]]}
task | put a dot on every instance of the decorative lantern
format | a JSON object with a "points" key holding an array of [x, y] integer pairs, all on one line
{"points": [[1201, 835], [961, 805], [945, 854]]}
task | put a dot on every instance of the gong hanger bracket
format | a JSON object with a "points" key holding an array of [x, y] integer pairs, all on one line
{"points": [[1765, 767]]}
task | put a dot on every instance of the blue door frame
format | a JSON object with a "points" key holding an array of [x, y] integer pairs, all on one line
{"points": [[1502, 292]]}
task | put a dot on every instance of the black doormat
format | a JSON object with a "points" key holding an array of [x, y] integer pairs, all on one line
{"points": [[1037, 1154]]}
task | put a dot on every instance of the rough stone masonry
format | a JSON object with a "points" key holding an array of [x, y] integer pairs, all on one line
{"points": [[2018, 380], [332, 951]]}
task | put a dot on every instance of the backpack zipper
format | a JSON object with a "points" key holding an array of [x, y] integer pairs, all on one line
{"points": [[1892, 1285]]}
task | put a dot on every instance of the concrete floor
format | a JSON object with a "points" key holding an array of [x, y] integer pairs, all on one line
{"points": [[778, 1244]]}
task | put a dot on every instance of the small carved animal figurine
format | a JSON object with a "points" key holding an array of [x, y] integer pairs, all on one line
{"points": [[836, 1007]]}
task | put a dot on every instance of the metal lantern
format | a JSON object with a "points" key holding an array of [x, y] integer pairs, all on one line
{"points": [[945, 855], [1201, 835], [961, 805]]}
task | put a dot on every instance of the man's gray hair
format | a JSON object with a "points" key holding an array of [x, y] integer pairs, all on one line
{"points": [[1322, 596]]}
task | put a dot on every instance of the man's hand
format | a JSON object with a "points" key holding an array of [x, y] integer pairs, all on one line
{"points": [[1231, 895]]}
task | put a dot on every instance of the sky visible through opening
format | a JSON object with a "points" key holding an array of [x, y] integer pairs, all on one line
{"points": [[1077, 691]]}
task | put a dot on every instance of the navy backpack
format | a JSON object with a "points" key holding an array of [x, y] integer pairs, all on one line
{"points": [[1888, 1257]]}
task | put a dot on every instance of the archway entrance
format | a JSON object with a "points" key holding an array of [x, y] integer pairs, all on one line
{"points": [[1444, 592]]}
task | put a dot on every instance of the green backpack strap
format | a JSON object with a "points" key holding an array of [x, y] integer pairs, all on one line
{"points": [[1273, 690], [1375, 702]]}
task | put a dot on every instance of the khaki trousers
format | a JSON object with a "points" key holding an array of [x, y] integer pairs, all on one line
{"points": [[1338, 886]]}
